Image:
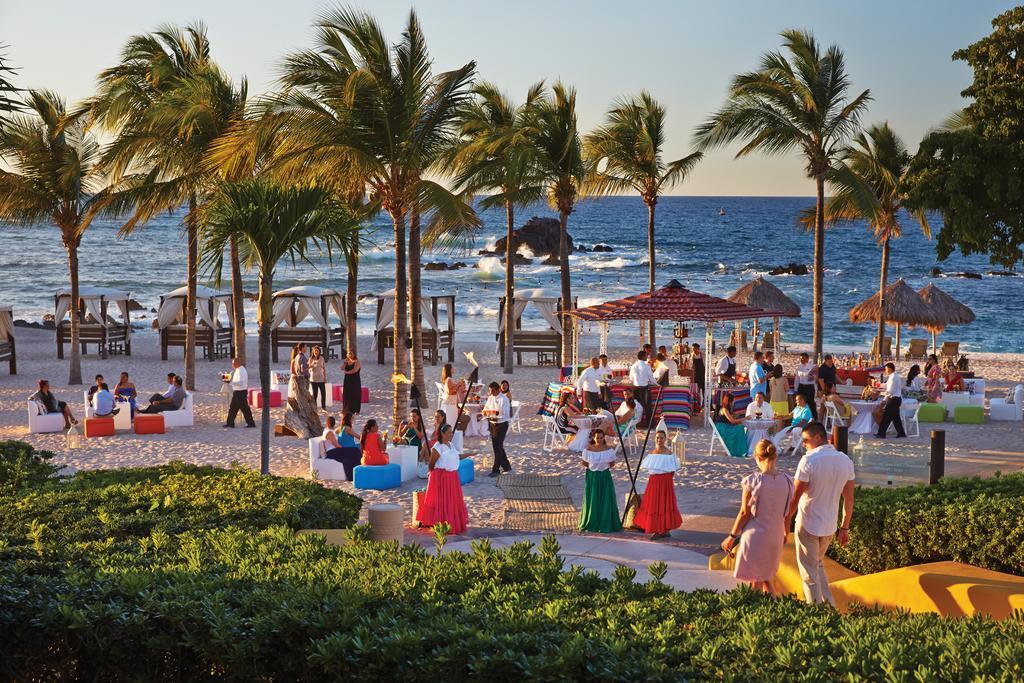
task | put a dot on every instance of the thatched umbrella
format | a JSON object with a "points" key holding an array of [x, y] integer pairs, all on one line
{"points": [[948, 309], [759, 293], [903, 306]]}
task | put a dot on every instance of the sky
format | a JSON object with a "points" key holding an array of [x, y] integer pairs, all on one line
{"points": [[683, 52]]}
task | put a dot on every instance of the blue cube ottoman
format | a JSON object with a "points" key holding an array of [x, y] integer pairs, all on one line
{"points": [[377, 477], [466, 473]]}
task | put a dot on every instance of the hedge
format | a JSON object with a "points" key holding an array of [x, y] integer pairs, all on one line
{"points": [[971, 520], [126, 592]]}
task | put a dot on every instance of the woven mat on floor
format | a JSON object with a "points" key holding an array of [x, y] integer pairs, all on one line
{"points": [[537, 503]]}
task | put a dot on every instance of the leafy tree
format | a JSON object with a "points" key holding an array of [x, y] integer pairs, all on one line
{"points": [[795, 102], [271, 222], [970, 169], [52, 177], [625, 154]]}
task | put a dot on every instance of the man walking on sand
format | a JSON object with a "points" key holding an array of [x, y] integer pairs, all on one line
{"points": [[239, 380], [823, 476]]}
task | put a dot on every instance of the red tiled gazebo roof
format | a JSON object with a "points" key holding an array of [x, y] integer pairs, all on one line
{"points": [[671, 302]]}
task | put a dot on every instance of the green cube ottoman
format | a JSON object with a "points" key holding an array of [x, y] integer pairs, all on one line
{"points": [[969, 415], [931, 412]]}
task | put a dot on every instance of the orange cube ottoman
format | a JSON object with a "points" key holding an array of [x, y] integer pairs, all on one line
{"points": [[149, 424], [99, 426]]}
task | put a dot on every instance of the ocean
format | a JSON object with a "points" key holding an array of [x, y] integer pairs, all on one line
{"points": [[703, 250]]}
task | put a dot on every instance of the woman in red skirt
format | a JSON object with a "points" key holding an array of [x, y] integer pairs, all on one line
{"points": [[658, 513], [443, 501]]}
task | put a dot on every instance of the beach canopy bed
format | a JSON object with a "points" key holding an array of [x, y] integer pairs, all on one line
{"points": [[546, 343], [95, 324], [678, 304], [947, 310], [761, 294], [903, 307], [7, 348], [437, 318], [294, 305], [215, 337]]}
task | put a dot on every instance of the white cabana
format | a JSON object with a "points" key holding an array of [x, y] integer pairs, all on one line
{"points": [[7, 348], [96, 326], [295, 305], [433, 310], [214, 336], [547, 343]]}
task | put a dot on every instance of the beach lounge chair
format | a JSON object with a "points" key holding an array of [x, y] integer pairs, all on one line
{"points": [[951, 350], [918, 350], [886, 347], [552, 434]]}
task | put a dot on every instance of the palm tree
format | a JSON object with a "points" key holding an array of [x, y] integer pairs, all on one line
{"points": [[359, 110], [8, 103], [625, 154], [497, 154], [271, 222], [870, 183], [790, 103], [168, 102], [564, 170], [52, 177]]}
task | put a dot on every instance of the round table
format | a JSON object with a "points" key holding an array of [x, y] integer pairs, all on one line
{"points": [[477, 426], [757, 429], [584, 423], [863, 422]]}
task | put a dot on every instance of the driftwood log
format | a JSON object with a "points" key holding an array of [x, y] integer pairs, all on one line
{"points": [[301, 415]]}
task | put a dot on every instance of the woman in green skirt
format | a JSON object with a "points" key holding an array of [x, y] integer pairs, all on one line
{"points": [[600, 511]]}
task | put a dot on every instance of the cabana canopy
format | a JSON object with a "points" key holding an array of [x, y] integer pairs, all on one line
{"points": [[214, 337], [547, 343], [759, 293], [435, 335], [547, 306], [93, 298], [208, 301], [7, 345], [671, 302], [109, 337], [295, 304]]}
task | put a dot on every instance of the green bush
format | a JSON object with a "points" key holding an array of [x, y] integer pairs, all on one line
{"points": [[23, 467], [972, 520]]}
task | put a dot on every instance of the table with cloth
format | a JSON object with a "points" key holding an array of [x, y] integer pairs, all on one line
{"points": [[675, 404], [863, 421], [858, 376], [757, 429], [477, 424]]}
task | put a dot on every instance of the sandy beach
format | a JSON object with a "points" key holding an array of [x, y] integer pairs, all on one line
{"points": [[707, 487]]}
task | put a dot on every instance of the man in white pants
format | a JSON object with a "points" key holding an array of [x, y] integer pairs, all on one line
{"points": [[823, 476]]}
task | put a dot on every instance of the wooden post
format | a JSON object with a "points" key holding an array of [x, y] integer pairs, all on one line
{"points": [[841, 438], [937, 462]]}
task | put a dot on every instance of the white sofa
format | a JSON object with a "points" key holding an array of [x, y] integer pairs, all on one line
{"points": [[46, 423], [1000, 409], [323, 469], [182, 417]]}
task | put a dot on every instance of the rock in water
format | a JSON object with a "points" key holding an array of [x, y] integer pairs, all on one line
{"points": [[791, 269], [301, 415], [540, 235], [602, 247]]}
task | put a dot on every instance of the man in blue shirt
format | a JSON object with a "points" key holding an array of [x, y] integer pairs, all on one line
{"points": [[103, 402], [757, 376]]}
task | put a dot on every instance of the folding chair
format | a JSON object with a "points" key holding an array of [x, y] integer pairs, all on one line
{"points": [[552, 435], [716, 437], [440, 395], [832, 417], [629, 432], [514, 424], [792, 434], [909, 415]]}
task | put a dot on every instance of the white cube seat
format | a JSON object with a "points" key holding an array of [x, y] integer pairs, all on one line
{"points": [[323, 469], [405, 457]]}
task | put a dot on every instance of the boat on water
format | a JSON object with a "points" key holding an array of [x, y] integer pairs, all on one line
{"points": [[721, 212]]}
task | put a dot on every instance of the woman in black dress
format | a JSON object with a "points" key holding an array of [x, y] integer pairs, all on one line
{"points": [[352, 389], [697, 359]]}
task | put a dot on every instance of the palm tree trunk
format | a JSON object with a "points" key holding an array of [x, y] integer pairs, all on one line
{"points": [[190, 302], [819, 267], [415, 301], [237, 303], [399, 405], [510, 289], [351, 299], [651, 266], [264, 318], [563, 259], [882, 282], [75, 363]]}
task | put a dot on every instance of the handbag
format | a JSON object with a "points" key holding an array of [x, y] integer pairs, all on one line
{"points": [[723, 560]]}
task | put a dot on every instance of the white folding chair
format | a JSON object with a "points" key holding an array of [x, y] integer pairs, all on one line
{"points": [[716, 438], [832, 417], [552, 435], [514, 424], [629, 432], [910, 421], [440, 394], [794, 435]]}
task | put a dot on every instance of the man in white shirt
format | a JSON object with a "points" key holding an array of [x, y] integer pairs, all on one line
{"points": [[641, 377], [239, 380], [823, 476], [498, 410], [589, 383], [605, 371], [725, 371], [893, 392], [806, 380], [759, 405], [666, 370]]}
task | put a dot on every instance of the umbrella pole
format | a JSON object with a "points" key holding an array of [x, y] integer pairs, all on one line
{"points": [[775, 338], [897, 357]]}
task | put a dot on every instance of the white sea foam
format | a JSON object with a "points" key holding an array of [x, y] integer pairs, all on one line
{"points": [[489, 268], [525, 251], [482, 311]]}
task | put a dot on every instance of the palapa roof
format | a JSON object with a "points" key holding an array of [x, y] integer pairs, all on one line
{"points": [[903, 306], [759, 293], [671, 302], [951, 311]]}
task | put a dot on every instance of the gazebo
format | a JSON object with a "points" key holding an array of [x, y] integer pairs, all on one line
{"points": [[435, 337], [949, 311], [547, 344], [95, 324], [214, 336], [759, 293], [294, 305], [903, 306], [680, 305], [8, 351]]}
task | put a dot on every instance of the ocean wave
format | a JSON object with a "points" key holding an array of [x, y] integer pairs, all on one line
{"points": [[489, 268], [603, 264], [480, 310]]}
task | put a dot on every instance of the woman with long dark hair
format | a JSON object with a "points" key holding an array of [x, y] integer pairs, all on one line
{"points": [[372, 445], [352, 387]]}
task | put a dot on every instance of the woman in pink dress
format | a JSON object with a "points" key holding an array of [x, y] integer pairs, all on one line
{"points": [[760, 524]]}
